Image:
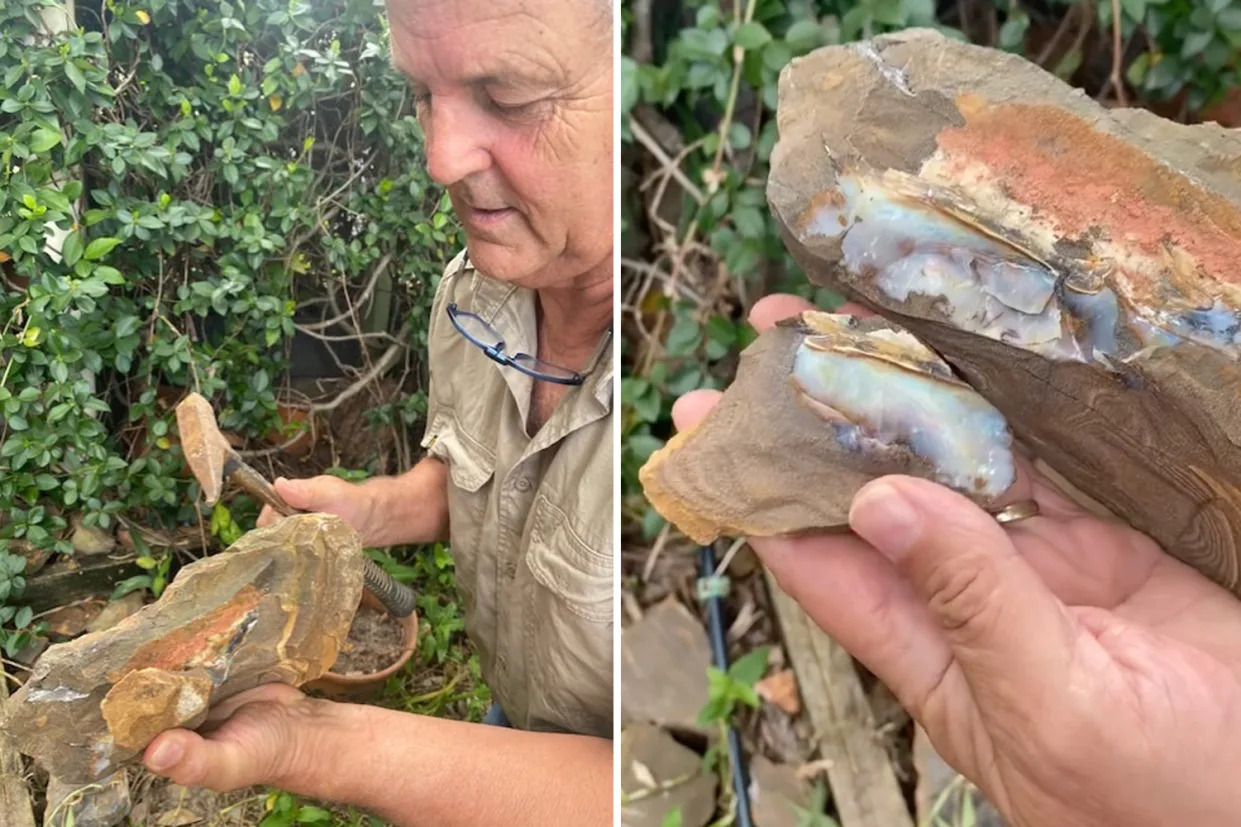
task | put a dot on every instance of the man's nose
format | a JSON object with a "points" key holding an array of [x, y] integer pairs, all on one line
{"points": [[455, 141]]}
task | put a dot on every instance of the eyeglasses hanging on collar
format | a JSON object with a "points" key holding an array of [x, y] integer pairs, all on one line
{"points": [[479, 332]]}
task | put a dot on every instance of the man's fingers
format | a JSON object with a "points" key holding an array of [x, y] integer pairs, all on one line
{"points": [[194, 761], [774, 308], [779, 306], [266, 517], [689, 409], [1007, 630], [862, 602], [300, 494], [272, 692]]}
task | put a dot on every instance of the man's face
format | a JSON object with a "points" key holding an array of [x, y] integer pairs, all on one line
{"points": [[515, 100]]}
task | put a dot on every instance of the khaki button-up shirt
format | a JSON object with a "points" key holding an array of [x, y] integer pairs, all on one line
{"points": [[530, 516]]}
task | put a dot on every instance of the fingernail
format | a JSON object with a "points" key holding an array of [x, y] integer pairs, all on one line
{"points": [[164, 757], [885, 518]]}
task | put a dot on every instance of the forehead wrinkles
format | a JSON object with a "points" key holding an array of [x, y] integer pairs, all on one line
{"points": [[463, 42], [459, 41]]}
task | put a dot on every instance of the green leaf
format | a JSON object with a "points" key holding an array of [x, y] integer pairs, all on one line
{"points": [[739, 136], [41, 140], [683, 337], [749, 667], [751, 35], [71, 251], [749, 222], [630, 88], [234, 86], [99, 248], [131, 584], [805, 35], [746, 694], [1136, 73], [312, 815], [1195, 42], [1013, 32], [1229, 19], [109, 275], [75, 76], [24, 615]]}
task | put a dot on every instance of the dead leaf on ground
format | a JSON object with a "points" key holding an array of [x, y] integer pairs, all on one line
{"points": [[812, 769], [780, 689], [72, 620], [179, 817]]}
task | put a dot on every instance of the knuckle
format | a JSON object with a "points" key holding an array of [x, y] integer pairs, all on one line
{"points": [[964, 593]]}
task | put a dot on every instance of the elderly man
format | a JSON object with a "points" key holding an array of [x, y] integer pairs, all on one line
{"points": [[515, 98]]}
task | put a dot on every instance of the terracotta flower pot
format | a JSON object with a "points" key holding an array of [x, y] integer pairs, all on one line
{"points": [[361, 686], [294, 410]]}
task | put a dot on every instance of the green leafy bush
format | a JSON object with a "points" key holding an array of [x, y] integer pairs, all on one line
{"points": [[182, 186]]}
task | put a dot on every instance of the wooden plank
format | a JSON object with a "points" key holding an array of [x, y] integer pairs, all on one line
{"points": [[942, 792], [863, 782], [15, 809], [62, 583]]}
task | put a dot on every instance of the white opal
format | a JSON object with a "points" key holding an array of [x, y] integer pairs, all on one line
{"points": [[962, 436], [910, 240]]}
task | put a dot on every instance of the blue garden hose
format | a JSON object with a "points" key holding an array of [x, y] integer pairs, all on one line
{"points": [[710, 594]]}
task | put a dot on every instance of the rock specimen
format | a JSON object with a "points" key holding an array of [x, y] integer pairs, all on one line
{"points": [[659, 777], [664, 660], [275, 607], [1076, 265], [821, 405], [104, 803]]}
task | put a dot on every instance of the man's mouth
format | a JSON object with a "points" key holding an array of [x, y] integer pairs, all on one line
{"points": [[482, 217]]}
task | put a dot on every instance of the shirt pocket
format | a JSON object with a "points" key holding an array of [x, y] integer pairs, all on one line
{"points": [[568, 626], [563, 562], [471, 468]]}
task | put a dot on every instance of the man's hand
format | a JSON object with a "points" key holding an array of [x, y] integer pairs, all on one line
{"points": [[385, 511], [353, 503], [410, 770], [1070, 668], [257, 737]]}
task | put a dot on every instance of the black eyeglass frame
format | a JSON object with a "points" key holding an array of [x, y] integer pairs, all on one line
{"points": [[496, 352]]}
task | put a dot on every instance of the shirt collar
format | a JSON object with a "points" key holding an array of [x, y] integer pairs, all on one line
{"points": [[491, 298]]}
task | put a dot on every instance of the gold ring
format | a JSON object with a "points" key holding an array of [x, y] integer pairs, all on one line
{"points": [[1016, 512]]}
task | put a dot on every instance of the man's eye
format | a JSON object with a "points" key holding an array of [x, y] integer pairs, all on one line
{"points": [[508, 108]]}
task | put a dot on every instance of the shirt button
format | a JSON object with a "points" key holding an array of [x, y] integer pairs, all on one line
{"points": [[523, 484]]}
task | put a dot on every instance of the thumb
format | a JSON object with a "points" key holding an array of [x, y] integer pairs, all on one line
{"points": [[304, 495], [191, 760], [1007, 631]]}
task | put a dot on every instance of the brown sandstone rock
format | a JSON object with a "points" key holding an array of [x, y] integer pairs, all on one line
{"points": [[274, 607], [1076, 265], [148, 701], [808, 421]]}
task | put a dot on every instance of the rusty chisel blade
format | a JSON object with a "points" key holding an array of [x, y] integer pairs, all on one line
{"points": [[204, 446]]}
